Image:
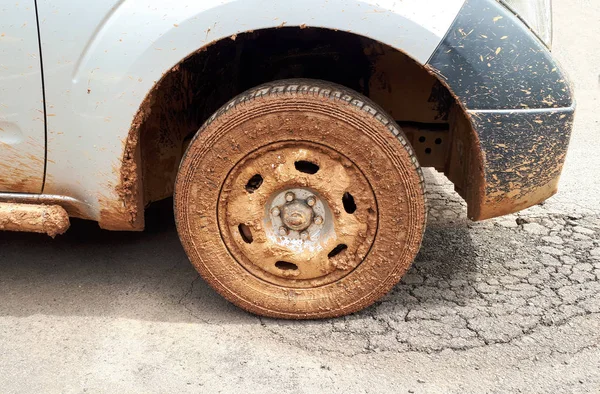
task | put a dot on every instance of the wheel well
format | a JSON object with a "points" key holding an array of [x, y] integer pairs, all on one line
{"points": [[194, 89]]}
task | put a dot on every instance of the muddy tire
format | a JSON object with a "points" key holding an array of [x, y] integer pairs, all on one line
{"points": [[300, 199]]}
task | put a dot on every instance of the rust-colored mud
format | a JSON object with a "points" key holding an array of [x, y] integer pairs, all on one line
{"points": [[46, 219], [154, 147], [130, 181], [404, 88], [20, 173], [464, 166], [74, 208], [515, 166], [466, 160], [127, 213], [302, 111], [336, 175]]}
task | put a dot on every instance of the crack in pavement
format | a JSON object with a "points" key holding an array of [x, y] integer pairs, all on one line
{"points": [[190, 290], [473, 285]]}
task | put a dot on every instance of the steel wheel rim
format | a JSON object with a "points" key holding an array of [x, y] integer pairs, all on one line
{"points": [[293, 226]]}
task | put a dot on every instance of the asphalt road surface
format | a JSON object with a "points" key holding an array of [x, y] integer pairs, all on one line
{"points": [[507, 305]]}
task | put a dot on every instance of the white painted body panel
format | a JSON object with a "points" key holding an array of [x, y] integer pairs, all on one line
{"points": [[22, 141], [101, 58]]}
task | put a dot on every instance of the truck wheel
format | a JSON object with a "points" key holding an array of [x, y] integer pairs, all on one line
{"points": [[300, 199]]}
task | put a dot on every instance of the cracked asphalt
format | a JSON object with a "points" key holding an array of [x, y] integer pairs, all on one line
{"points": [[502, 306]]}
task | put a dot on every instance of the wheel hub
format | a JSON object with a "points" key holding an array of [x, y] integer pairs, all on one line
{"points": [[300, 213], [297, 215]]}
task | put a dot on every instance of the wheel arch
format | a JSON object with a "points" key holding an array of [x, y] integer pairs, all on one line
{"points": [[157, 140], [123, 204]]}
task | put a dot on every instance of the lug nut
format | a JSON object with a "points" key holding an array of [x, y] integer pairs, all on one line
{"points": [[304, 235], [289, 196], [275, 211], [283, 231], [311, 201], [318, 220]]}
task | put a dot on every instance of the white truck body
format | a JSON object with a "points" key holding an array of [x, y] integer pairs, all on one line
{"points": [[101, 59]]}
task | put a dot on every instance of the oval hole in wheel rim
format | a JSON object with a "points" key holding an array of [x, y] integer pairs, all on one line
{"points": [[306, 167], [254, 183], [286, 266], [349, 203]]}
